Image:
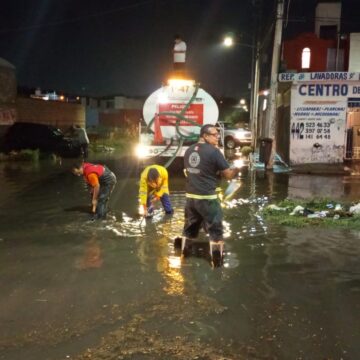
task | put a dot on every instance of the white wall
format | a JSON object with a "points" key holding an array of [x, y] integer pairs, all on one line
{"points": [[327, 14], [122, 102], [354, 56], [318, 121]]}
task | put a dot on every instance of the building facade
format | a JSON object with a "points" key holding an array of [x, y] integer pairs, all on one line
{"points": [[318, 102], [324, 121]]}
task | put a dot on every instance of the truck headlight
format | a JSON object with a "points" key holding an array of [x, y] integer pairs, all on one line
{"points": [[140, 151]]}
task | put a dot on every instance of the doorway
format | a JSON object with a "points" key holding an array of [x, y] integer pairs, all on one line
{"points": [[352, 151]]}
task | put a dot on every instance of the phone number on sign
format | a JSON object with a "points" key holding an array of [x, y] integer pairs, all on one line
{"points": [[310, 130]]}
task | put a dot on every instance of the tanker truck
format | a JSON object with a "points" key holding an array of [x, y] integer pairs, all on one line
{"points": [[172, 118]]}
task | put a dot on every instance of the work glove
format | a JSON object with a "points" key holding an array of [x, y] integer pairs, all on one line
{"points": [[155, 198], [142, 210]]}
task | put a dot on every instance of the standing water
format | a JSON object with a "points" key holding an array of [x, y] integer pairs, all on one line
{"points": [[72, 288]]}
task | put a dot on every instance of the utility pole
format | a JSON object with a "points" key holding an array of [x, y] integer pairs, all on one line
{"points": [[255, 74], [255, 96], [271, 115]]}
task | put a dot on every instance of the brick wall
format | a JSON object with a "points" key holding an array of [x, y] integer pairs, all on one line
{"points": [[56, 113]]}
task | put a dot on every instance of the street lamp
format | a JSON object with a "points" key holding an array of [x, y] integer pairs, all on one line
{"points": [[255, 70], [228, 41]]}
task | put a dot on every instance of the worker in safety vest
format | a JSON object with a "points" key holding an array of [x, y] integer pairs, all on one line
{"points": [[204, 166], [154, 185], [101, 182]]}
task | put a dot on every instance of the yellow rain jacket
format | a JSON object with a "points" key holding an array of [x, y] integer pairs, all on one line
{"points": [[145, 189]]}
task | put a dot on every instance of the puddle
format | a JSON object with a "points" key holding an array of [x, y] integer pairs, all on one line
{"points": [[117, 289]]}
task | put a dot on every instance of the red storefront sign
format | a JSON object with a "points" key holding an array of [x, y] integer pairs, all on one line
{"points": [[195, 113]]}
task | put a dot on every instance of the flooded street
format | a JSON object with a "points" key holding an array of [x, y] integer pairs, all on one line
{"points": [[76, 289]]}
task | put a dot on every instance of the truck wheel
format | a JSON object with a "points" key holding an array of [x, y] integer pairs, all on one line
{"points": [[230, 143]]}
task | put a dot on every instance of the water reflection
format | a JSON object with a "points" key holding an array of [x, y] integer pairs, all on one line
{"points": [[174, 278], [277, 288], [92, 256]]}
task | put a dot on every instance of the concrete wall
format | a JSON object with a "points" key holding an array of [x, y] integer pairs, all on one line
{"points": [[119, 118], [354, 57], [92, 117], [327, 14], [91, 103], [122, 102], [7, 82], [123, 119], [59, 114], [283, 125]]}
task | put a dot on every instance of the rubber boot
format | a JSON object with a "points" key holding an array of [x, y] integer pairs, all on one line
{"points": [[186, 247], [178, 242], [217, 253], [178, 246]]}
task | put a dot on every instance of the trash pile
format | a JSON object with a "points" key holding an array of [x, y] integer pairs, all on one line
{"points": [[294, 213]]}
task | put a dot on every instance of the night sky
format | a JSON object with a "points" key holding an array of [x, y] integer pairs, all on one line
{"points": [[109, 47]]}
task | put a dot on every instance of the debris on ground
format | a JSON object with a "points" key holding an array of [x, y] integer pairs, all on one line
{"points": [[355, 210], [313, 212]]}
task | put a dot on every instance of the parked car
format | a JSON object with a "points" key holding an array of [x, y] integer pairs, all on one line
{"points": [[46, 138], [234, 137]]}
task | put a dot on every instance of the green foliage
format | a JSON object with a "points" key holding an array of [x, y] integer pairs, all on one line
{"points": [[313, 204], [283, 217], [235, 116], [47, 156], [246, 150], [23, 155]]}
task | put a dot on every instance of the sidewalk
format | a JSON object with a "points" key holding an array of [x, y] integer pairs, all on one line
{"points": [[345, 168], [322, 169]]}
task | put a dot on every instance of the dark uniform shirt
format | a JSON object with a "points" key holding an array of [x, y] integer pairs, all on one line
{"points": [[203, 162]]}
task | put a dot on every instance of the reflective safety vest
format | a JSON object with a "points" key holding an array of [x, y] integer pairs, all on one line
{"points": [[145, 189], [93, 169], [105, 175]]}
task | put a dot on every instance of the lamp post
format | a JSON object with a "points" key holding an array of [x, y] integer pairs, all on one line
{"points": [[255, 77]]}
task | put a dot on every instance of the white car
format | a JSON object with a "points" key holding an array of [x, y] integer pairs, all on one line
{"points": [[234, 137]]}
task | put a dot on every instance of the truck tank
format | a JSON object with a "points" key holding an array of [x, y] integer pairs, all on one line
{"points": [[173, 116]]}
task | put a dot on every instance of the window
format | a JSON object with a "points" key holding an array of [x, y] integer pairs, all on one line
{"points": [[305, 58], [328, 32]]}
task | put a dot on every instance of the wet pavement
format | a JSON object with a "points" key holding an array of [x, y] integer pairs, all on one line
{"points": [[76, 289]]}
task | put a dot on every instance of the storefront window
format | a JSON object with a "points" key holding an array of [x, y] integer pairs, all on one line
{"points": [[305, 58]]}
